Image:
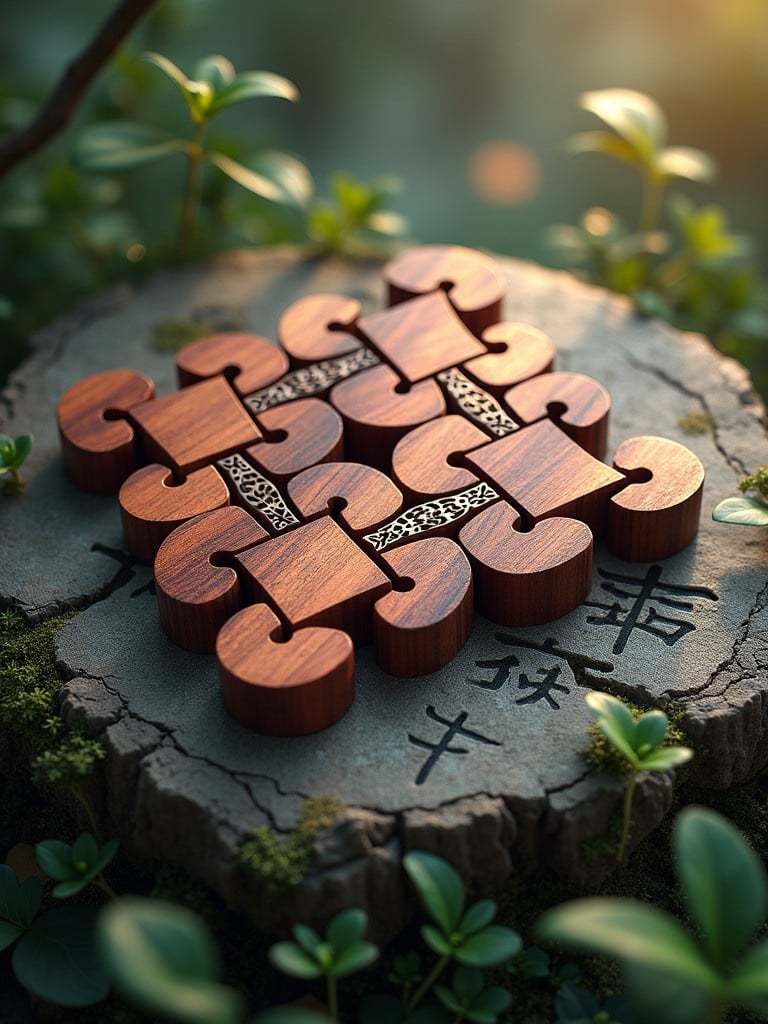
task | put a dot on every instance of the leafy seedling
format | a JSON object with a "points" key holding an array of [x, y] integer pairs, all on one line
{"points": [[466, 937], [639, 742], [213, 87], [747, 511], [13, 452], [673, 976], [357, 211], [577, 1005], [55, 957], [342, 951], [470, 999], [530, 962], [73, 867]]}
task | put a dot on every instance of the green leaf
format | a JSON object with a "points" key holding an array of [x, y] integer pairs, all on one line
{"points": [[439, 886], [629, 931], [603, 142], [291, 959], [634, 116], [53, 856], [163, 958], [615, 720], [650, 730], [168, 68], [478, 916], [63, 890], [468, 982], [684, 162], [436, 941], [492, 1000], [216, 71], [573, 1002], [9, 883], [666, 758], [448, 999], [742, 512], [489, 947], [105, 856], [274, 176], [307, 938], [57, 959], [251, 85], [9, 932], [750, 978], [346, 928], [657, 996], [354, 957], [722, 879], [28, 899], [23, 447], [85, 850], [121, 145], [387, 222]]}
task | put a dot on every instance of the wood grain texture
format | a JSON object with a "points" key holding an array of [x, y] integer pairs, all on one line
{"points": [[98, 444], [419, 630], [317, 576], [151, 506], [376, 415], [313, 433], [658, 517], [248, 361], [474, 284], [365, 496], [421, 337], [577, 403], [524, 579], [195, 596], [420, 459], [283, 687], [319, 327], [517, 353], [191, 428], [547, 474]]}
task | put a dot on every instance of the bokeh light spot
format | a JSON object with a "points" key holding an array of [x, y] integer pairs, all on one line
{"points": [[505, 173], [136, 252]]}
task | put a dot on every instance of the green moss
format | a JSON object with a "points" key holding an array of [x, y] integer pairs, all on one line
{"points": [[696, 422], [68, 761], [176, 886], [757, 481], [173, 335], [601, 755], [277, 864]]}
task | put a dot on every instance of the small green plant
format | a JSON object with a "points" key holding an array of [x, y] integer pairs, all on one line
{"points": [[470, 998], [746, 511], [13, 452], [213, 87], [355, 215], [342, 951], [671, 975], [76, 866], [639, 742], [577, 1005]]}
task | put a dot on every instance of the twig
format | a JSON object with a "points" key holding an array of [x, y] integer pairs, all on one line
{"points": [[63, 101]]}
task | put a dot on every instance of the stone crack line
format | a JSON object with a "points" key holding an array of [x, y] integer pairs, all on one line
{"points": [[732, 461]]}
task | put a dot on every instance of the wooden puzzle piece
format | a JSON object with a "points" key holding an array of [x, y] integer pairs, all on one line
{"points": [[248, 361], [657, 514], [577, 403], [319, 327], [424, 463], [419, 629], [472, 281], [98, 442], [152, 505], [516, 353], [526, 578], [296, 436], [283, 687], [362, 496], [197, 591], [195, 426]]}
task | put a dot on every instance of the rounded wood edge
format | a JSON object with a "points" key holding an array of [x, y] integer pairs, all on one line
{"points": [[578, 404], [312, 329], [253, 361]]}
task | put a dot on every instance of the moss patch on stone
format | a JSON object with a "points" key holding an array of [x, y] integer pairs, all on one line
{"points": [[601, 755], [696, 422]]}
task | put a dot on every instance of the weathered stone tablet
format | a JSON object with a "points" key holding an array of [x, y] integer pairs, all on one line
{"points": [[478, 760]]}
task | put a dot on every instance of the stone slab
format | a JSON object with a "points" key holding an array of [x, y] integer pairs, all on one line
{"points": [[478, 761]]}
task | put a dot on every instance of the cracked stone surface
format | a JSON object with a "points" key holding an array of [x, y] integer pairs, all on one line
{"points": [[478, 761]]}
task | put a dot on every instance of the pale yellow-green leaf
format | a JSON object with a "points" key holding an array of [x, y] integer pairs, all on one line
{"points": [[634, 116]]}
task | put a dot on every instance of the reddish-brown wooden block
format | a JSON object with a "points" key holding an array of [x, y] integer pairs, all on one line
{"points": [[577, 403], [472, 280], [376, 415], [319, 327], [419, 630], [523, 579], [283, 687], [421, 337], [517, 353], [659, 515], [151, 506], [317, 576], [196, 591], [420, 461], [195, 426], [366, 497], [98, 443], [248, 361], [313, 432], [547, 474]]}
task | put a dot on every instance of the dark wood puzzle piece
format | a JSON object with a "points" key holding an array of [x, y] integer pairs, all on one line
{"points": [[248, 361], [319, 327], [361, 496], [516, 353], [297, 435], [424, 461], [577, 403]]}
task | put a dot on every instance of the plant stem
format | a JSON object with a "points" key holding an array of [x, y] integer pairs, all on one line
{"points": [[333, 997], [191, 194], [651, 211], [101, 883], [427, 984], [77, 791], [628, 797]]}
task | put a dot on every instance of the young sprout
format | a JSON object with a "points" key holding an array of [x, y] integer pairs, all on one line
{"points": [[747, 511], [13, 452]]}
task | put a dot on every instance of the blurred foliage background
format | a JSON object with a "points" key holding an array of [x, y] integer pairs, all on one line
{"points": [[468, 104]]}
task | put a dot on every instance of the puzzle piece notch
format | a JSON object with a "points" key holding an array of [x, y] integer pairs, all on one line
{"points": [[283, 687], [152, 505], [424, 462], [248, 361], [319, 327], [297, 435], [361, 497], [657, 514], [575, 402], [527, 578], [516, 353], [98, 443], [473, 282], [197, 591]]}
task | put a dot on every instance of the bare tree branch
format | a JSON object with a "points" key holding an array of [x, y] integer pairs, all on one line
{"points": [[63, 101]]}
